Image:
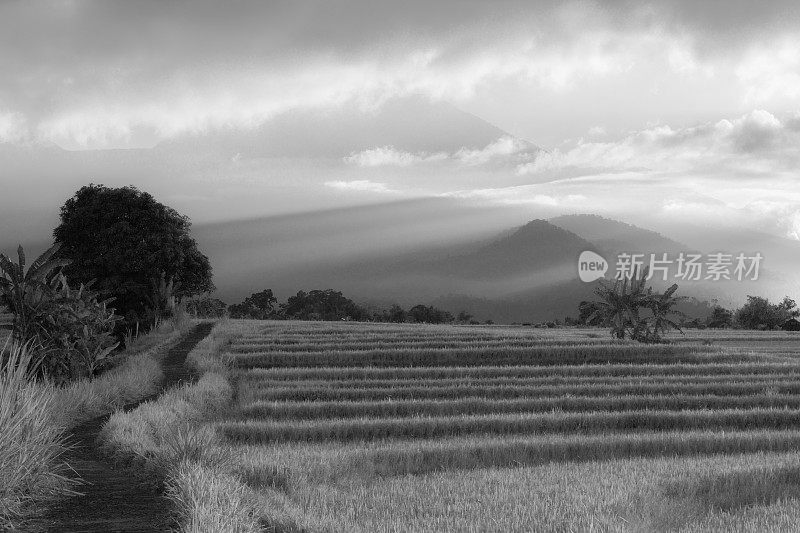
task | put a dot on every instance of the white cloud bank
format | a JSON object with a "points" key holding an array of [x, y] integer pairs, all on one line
{"points": [[506, 150], [389, 156], [757, 143], [360, 186]]}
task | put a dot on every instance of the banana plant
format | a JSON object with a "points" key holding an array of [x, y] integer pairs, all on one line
{"points": [[633, 309], [24, 292], [81, 326], [663, 308]]}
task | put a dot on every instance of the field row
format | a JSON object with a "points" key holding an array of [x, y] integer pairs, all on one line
{"points": [[334, 461], [320, 410], [323, 393], [541, 356], [415, 344], [485, 372], [254, 383], [253, 432]]}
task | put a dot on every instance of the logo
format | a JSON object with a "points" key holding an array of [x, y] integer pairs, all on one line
{"points": [[591, 266]]}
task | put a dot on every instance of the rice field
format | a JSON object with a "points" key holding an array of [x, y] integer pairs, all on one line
{"points": [[378, 427]]}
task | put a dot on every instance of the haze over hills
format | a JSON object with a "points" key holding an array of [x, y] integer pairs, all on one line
{"points": [[452, 259], [615, 237]]}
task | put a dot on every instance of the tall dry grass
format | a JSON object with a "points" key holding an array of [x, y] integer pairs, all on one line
{"points": [[31, 441]]}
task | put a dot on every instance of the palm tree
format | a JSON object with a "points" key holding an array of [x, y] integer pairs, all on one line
{"points": [[24, 292]]}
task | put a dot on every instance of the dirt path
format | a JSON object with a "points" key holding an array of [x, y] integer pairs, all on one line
{"points": [[113, 499]]}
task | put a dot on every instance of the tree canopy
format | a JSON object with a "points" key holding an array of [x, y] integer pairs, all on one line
{"points": [[760, 313], [322, 305], [259, 306], [126, 241]]}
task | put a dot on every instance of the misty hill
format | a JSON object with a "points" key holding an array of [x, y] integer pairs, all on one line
{"points": [[432, 251], [536, 247], [613, 236], [413, 124]]}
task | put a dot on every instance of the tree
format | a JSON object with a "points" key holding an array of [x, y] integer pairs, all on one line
{"points": [[429, 315], [259, 306], [325, 304], [397, 314], [588, 314], [127, 241], [760, 313], [464, 317], [206, 307], [720, 318]]}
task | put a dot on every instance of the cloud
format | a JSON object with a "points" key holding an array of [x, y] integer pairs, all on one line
{"points": [[105, 73], [522, 195], [389, 156], [506, 149], [755, 143], [13, 127], [360, 186]]}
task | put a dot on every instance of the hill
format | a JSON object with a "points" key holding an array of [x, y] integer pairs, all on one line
{"points": [[614, 237]]}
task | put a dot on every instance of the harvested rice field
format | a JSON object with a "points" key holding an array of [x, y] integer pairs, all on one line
{"points": [[376, 427]]}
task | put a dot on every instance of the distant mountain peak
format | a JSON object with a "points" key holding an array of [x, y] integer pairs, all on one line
{"points": [[616, 236], [412, 124]]}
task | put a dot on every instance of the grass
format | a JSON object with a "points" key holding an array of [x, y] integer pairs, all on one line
{"points": [[31, 440], [511, 391], [366, 462], [320, 410], [136, 374], [619, 495], [166, 435], [208, 500], [562, 371], [35, 418], [535, 355], [250, 432]]}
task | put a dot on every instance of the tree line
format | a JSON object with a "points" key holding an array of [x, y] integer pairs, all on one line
{"points": [[320, 304]]}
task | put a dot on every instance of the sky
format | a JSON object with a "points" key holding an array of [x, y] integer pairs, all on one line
{"points": [[654, 113]]}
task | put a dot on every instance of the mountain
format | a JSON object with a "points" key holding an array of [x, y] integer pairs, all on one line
{"points": [[437, 252], [412, 124], [536, 247], [615, 237]]}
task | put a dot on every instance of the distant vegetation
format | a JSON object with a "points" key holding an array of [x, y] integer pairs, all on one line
{"points": [[329, 305]]}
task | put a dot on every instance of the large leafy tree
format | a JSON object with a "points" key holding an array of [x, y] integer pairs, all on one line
{"points": [[127, 241]]}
